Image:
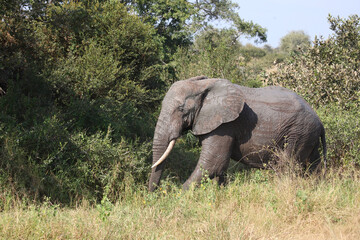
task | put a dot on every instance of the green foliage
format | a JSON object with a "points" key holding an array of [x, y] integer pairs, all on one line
{"points": [[218, 53], [206, 11], [169, 19], [249, 52], [176, 21], [214, 49], [81, 82], [329, 71], [50, 161], [342, 134], [294, 41], [107, 52]]}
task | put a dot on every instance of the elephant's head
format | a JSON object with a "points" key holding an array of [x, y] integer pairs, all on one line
{"points": [[199, 104]]}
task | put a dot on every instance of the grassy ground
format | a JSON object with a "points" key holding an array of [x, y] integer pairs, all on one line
{"points": [[254, 205]]}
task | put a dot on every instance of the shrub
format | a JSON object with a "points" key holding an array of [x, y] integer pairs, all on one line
{"points": [[329, 71], [50, 161], [342, 134]]}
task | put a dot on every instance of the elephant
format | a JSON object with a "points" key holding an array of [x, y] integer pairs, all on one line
{"points": [[236, 122]]}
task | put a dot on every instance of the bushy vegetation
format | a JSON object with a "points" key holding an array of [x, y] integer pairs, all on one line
{"points": [[328, 73], [80, 87]]}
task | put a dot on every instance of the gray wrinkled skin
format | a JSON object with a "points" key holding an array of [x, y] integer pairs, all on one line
{"points": [[231, 121]]}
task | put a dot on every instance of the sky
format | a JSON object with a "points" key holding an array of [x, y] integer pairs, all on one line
{"points": [[280, 17]]}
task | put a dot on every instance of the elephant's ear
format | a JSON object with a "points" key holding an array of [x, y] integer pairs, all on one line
{"points": [[223, 101]]}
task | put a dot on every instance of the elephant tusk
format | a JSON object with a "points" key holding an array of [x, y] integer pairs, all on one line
{"points": [[166, 153]]}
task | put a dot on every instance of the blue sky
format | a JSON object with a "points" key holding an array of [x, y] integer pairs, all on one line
{"points": [[283, 16]]}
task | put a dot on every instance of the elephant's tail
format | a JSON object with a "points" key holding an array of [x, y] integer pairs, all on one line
{"points": [[323, 143]]}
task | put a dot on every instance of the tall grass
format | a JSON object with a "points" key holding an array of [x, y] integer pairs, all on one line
{"points": [[256, 204]]}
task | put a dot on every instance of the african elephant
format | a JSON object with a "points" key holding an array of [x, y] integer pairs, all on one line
{"points": [[237, 122]]}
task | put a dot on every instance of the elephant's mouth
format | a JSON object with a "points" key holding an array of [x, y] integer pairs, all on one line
{"points": [[166, 153], [186, 129]]}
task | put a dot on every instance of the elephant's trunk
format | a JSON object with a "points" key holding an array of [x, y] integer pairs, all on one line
{"points": [[160, 145], [167, 131], [166, 153], [156, 172]]}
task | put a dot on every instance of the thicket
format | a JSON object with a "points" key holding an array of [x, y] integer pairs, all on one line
{"points": [[80, 83]]}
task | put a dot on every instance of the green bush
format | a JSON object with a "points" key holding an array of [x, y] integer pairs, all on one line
{"points": [[329, 71], [342, 134], [50, 161]]}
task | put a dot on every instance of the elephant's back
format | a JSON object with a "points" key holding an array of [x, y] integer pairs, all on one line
{"points": [[273, 100], [280, 112]]}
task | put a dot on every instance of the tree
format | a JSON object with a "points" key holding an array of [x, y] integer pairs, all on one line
{"points": [[218, 53], [208, 10], [177, 21], [294, 41]]}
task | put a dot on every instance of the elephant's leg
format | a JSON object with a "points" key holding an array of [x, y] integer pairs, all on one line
{"points": [[314, 159], [214, 158], [309, 155], [222, 178]]}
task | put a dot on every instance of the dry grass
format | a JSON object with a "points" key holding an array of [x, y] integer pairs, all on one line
{"points": [[256, 205]]}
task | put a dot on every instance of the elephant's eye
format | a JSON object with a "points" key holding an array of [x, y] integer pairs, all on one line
{"points": [[181, 108]]}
